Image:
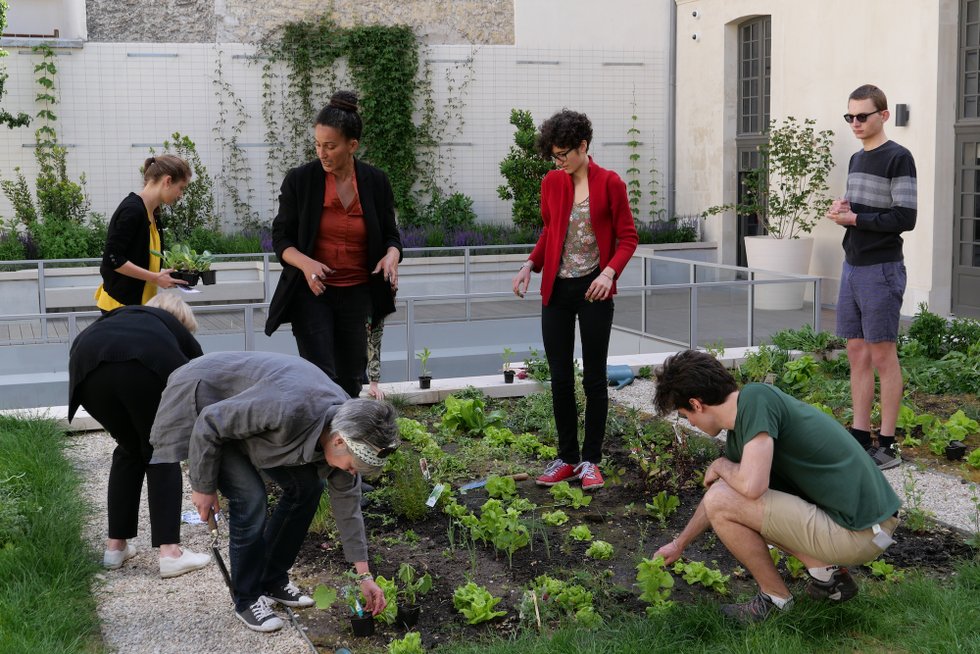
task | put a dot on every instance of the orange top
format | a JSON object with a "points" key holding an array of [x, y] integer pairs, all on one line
{"points": [[341, 241]]}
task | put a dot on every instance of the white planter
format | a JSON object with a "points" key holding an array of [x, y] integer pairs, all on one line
{"points": [[780, 255]]}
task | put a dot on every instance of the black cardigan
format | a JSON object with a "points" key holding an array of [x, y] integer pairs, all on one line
{"points": [[127, 239], [298, 220], [149, 335]]}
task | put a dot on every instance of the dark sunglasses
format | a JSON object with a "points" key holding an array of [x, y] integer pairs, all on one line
{"points": [[861, 118], [384, 452]]}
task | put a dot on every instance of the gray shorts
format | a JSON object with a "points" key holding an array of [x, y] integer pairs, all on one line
{"points": [[870, 301]]}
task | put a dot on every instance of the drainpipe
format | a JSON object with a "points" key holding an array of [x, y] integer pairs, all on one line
{"points": [[672, 111]]}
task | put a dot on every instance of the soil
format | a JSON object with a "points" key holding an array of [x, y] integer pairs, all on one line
{"points": [[616, 515]]}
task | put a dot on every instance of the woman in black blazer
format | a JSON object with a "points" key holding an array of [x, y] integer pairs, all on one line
{"points": [[336, 237], [117, 370], [131, 274]]}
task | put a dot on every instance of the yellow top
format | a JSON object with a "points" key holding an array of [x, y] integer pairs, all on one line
{"points": [[106, 302]]}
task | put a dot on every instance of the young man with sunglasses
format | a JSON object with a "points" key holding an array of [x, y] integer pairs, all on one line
{"points": [[241, 417], [880, 204]]}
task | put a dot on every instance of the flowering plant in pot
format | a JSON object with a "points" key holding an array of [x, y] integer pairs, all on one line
{"points": [[412, 587]]}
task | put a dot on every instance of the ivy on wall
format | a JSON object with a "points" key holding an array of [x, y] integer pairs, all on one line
{"points": [[6, 118]]}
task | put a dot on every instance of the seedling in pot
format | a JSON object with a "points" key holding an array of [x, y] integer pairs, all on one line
{"points": [[425, 377], [412, 587], [508, 373]]}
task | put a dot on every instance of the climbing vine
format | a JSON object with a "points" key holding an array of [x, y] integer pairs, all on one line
{"points": [[7, 118]]}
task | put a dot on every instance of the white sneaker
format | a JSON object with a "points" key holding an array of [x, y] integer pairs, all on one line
{"points": [[186, 562], [113, 559]]}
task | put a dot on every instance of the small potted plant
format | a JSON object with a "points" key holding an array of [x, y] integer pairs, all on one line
{"points": [[425, 377], [508, 373], [361, 622], [202, 263], [955, 450], [412, 587]]}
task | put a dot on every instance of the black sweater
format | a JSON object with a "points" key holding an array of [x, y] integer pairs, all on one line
{"points": [[881, 187], [127, 239]]}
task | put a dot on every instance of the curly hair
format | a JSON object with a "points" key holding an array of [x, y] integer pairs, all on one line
{"points": [[341, 114], [692, 375], [566, 129]]}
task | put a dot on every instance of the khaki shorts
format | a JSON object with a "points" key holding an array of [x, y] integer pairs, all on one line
{"points": [[794, 525]]}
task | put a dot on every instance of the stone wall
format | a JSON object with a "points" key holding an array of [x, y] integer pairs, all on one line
{"points": [[246, 21]]}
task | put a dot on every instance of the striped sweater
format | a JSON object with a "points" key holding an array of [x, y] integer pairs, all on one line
{"points": [[881, 188]]}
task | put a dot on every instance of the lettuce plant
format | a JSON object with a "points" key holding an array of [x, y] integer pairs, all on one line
{"points": [[600, 550], [655, 582], [476, 603]]}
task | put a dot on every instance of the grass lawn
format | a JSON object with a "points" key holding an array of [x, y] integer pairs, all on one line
{"points": [[46, 568]]}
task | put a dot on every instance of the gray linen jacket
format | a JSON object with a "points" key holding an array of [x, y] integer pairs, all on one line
{"points": [[274, 405]]}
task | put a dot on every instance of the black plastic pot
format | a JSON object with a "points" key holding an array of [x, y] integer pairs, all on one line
{"points": [[956, 450], [189, 276], [208, 277], [508, 376], [425, 381], [407, 616], [363, 625]]}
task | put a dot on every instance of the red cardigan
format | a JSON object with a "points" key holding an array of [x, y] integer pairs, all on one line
{"points": [[609, 211]]}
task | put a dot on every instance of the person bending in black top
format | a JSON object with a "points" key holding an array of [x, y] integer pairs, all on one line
{"points": [[117, 371]]}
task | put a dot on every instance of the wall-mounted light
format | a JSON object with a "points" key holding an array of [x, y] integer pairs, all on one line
{"points": [[901, 115]]}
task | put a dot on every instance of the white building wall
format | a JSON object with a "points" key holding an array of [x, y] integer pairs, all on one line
{"points": [[639, 24], [119, 99], [821, 51], [46, 16]]}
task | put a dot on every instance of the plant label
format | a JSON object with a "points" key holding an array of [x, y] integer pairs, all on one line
{"points": [[434, 495], [424, 467]]}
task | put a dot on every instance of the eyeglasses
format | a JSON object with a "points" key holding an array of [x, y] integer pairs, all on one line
{"points": [[561, 156], [861, 118]]}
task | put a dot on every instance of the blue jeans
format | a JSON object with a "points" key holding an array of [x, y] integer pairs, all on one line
{"points": [[262, 550]]}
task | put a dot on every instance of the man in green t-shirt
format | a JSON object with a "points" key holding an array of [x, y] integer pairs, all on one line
{"points": [[791, 477]]}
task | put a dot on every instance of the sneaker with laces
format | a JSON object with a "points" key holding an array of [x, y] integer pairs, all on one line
{"points": [[884, 457], [290, 595], [756, 609], [259, 616], [840, 588], [556, 471], [589, 474], [114, 559]]}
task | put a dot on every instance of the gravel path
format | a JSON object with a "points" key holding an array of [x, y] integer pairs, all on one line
{"points": [[144, 614], [947, 497]]}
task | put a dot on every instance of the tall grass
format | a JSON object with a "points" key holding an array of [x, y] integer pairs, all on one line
{"points": [[918, 615], [46, 568]]}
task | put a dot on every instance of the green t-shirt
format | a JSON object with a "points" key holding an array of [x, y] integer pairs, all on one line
{"points": [[813, 457]]}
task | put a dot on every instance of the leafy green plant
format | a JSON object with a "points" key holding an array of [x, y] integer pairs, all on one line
{"points": [[423, 357], [410, 644], [799, 373], [325, 597], [468, 416], [476, 603], [662, 507], [696, 572], [564, 493], [916, 517], [390, 589], [410, 490], [565, 599], [523, 169], [555, 518], [887, 571], [530, 445], [412, 585], [507, 356], [789, 193], [323, 522], [645, 372], [973, 458], [7, 118], [656, 584], [795, 567], [501, 487], [580, 533], [634, 189], [805, 339], [763, 362], [195, 208], [600, 550]]}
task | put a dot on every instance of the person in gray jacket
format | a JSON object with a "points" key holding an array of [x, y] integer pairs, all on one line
{"points": [[236, 414]]}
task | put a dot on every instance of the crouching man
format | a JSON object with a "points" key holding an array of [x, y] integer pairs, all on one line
{"points": [[239, 415], [791, 477]]}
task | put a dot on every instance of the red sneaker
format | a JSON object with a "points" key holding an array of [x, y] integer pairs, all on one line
{"points": [[589, 474], [556, 471]]}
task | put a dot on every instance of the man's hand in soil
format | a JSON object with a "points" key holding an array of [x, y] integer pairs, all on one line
{"points": [[374, 597], [671, 552]]}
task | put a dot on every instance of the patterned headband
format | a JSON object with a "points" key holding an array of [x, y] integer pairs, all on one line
{"points": [[363, 452]]}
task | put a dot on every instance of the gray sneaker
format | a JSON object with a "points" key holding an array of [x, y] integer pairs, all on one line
{"points": [[756, 609], [260, 616], [884, 457]]}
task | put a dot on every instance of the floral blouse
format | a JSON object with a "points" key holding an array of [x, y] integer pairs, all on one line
{"points": [[580, 253]]}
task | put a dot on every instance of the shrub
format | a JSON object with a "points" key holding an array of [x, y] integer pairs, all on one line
{"points": [[409, 488], [196, 207], [60, 239], [523, 169], [447, 212]]}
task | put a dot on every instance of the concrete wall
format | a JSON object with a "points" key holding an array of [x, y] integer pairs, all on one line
{"points": [[46, 16], [821, 51], [635, 24], [117, 100], [177, 21]]}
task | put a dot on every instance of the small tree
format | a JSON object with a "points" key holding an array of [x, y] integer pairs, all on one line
{"points": [[196, 207], [523, 169], [789, 191]]}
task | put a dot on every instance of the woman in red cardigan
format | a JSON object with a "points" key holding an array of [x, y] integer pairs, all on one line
{"points": [[587, 240]]}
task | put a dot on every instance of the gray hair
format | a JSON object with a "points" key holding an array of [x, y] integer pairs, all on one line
{"points": [[370, 422]]}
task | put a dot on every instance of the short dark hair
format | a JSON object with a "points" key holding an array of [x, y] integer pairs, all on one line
{"points": [[692, 375], [870, 92], [566, 129], [341, 114]]}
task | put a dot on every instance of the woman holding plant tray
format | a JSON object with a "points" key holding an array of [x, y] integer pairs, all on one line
{"points": [[587, 239], [131, 273], [336, 237]]}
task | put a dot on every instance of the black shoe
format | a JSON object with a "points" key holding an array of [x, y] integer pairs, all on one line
{"points": [[884, 457], [840, 588], [756, 609], [260, 616], [289, 595]]}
